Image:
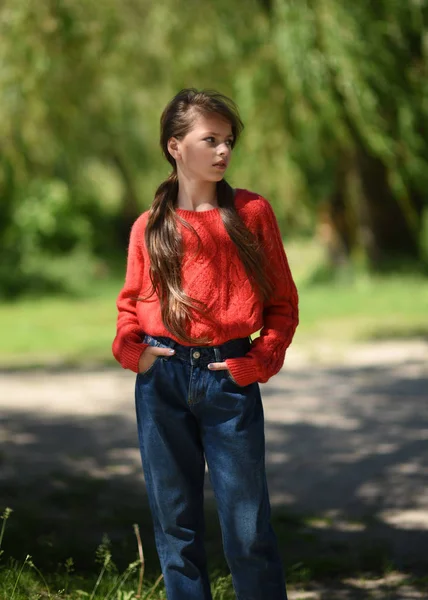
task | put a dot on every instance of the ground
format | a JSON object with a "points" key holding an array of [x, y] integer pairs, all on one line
{"points": [[347, 460]]}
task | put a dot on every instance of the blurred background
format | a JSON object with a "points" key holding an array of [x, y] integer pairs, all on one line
{"points": [[334, 97]]}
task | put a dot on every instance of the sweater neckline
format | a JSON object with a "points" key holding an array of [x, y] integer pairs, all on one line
{"points": [[198, 215], [201, 215]]}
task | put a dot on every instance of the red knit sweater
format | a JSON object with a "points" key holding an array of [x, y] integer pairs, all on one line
{"points": [[216, 276]]}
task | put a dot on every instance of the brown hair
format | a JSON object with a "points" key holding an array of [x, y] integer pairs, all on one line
{"points": [[162, 237]]}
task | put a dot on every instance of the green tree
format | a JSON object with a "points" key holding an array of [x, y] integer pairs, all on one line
{"points": [[355, 82], [333, 95]]}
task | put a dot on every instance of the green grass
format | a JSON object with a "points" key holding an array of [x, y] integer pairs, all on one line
{"points": [[67, 331], [59, 330], [369, 308], [311, 562]]}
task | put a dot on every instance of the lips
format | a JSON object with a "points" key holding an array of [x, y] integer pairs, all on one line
{"points": [[220, 164]]}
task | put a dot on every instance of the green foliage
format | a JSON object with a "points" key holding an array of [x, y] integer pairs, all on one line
{"points": [[334, 98], [47, 242], [355, 106]]}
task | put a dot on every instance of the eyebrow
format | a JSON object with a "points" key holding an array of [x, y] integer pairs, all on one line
{"points": [[229, 135]]}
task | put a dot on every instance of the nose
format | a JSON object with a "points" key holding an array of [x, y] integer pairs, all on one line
{"points": [[223, 150]]}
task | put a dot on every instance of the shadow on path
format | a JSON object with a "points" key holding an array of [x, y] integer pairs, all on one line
{"points": [[346, 455]]}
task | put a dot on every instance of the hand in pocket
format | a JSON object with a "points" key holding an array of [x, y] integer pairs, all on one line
{"points": [[150, 354]]}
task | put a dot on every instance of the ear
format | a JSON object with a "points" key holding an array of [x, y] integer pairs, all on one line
{"points": [[174, 148]]}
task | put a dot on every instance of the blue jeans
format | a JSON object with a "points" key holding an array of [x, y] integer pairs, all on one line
{"points": [[187, 415]]}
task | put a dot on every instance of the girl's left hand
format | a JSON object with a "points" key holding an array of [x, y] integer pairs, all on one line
{"points": [[218, 366]]}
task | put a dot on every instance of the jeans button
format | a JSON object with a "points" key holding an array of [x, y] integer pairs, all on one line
{"points": [[196, 354]]}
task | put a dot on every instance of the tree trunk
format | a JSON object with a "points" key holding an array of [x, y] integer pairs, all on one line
{"points": [[335, 225], [386, 234]]}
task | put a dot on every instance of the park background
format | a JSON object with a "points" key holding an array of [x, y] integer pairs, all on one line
{"points": [[334, 97]]}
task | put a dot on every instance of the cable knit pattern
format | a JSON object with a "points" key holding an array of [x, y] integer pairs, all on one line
{"points": [[216, 276]]}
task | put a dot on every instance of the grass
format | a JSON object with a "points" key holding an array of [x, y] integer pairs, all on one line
{"points": [[59, 330], [340, 568], [23, 580], [67, 331], [370, 308]]}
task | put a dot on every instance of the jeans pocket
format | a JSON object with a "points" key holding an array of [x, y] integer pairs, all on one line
{"points": [[154, 344], [152, 366]]}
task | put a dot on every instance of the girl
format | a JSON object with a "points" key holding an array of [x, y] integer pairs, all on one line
{"points": [[206, 269]]}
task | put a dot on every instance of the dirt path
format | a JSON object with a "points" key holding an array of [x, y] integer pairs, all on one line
{"points": [[346, 430]]}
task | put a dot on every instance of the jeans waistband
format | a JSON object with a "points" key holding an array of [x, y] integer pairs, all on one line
{"points": [[202, 355]]}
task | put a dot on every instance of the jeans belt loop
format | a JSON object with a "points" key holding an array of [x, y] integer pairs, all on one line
{"points": [[217, 354]]}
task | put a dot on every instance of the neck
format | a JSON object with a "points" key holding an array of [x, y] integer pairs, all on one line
{"points": [[196, 195]]}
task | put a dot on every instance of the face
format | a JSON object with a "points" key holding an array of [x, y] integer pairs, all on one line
{"points": [[203, 154]]}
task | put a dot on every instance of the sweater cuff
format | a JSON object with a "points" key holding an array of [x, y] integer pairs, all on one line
{"points": [[243, 370], [130, 355]]}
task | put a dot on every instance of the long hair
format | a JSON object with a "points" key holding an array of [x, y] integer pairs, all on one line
{"points": [[163, 240]]}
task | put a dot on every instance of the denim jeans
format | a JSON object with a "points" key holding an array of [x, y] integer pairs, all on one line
{"points": [[187, 415]]}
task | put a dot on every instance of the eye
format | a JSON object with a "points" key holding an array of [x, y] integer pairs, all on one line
{"points": [[229, 143], [210, 139]]}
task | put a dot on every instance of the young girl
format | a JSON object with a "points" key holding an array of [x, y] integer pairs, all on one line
{"points": [[206, 269]]}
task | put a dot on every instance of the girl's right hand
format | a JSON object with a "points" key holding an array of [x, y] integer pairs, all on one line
{"points": [[149, 356]]}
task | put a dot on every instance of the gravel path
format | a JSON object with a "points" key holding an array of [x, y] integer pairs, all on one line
{"points": [[346, 431]]}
